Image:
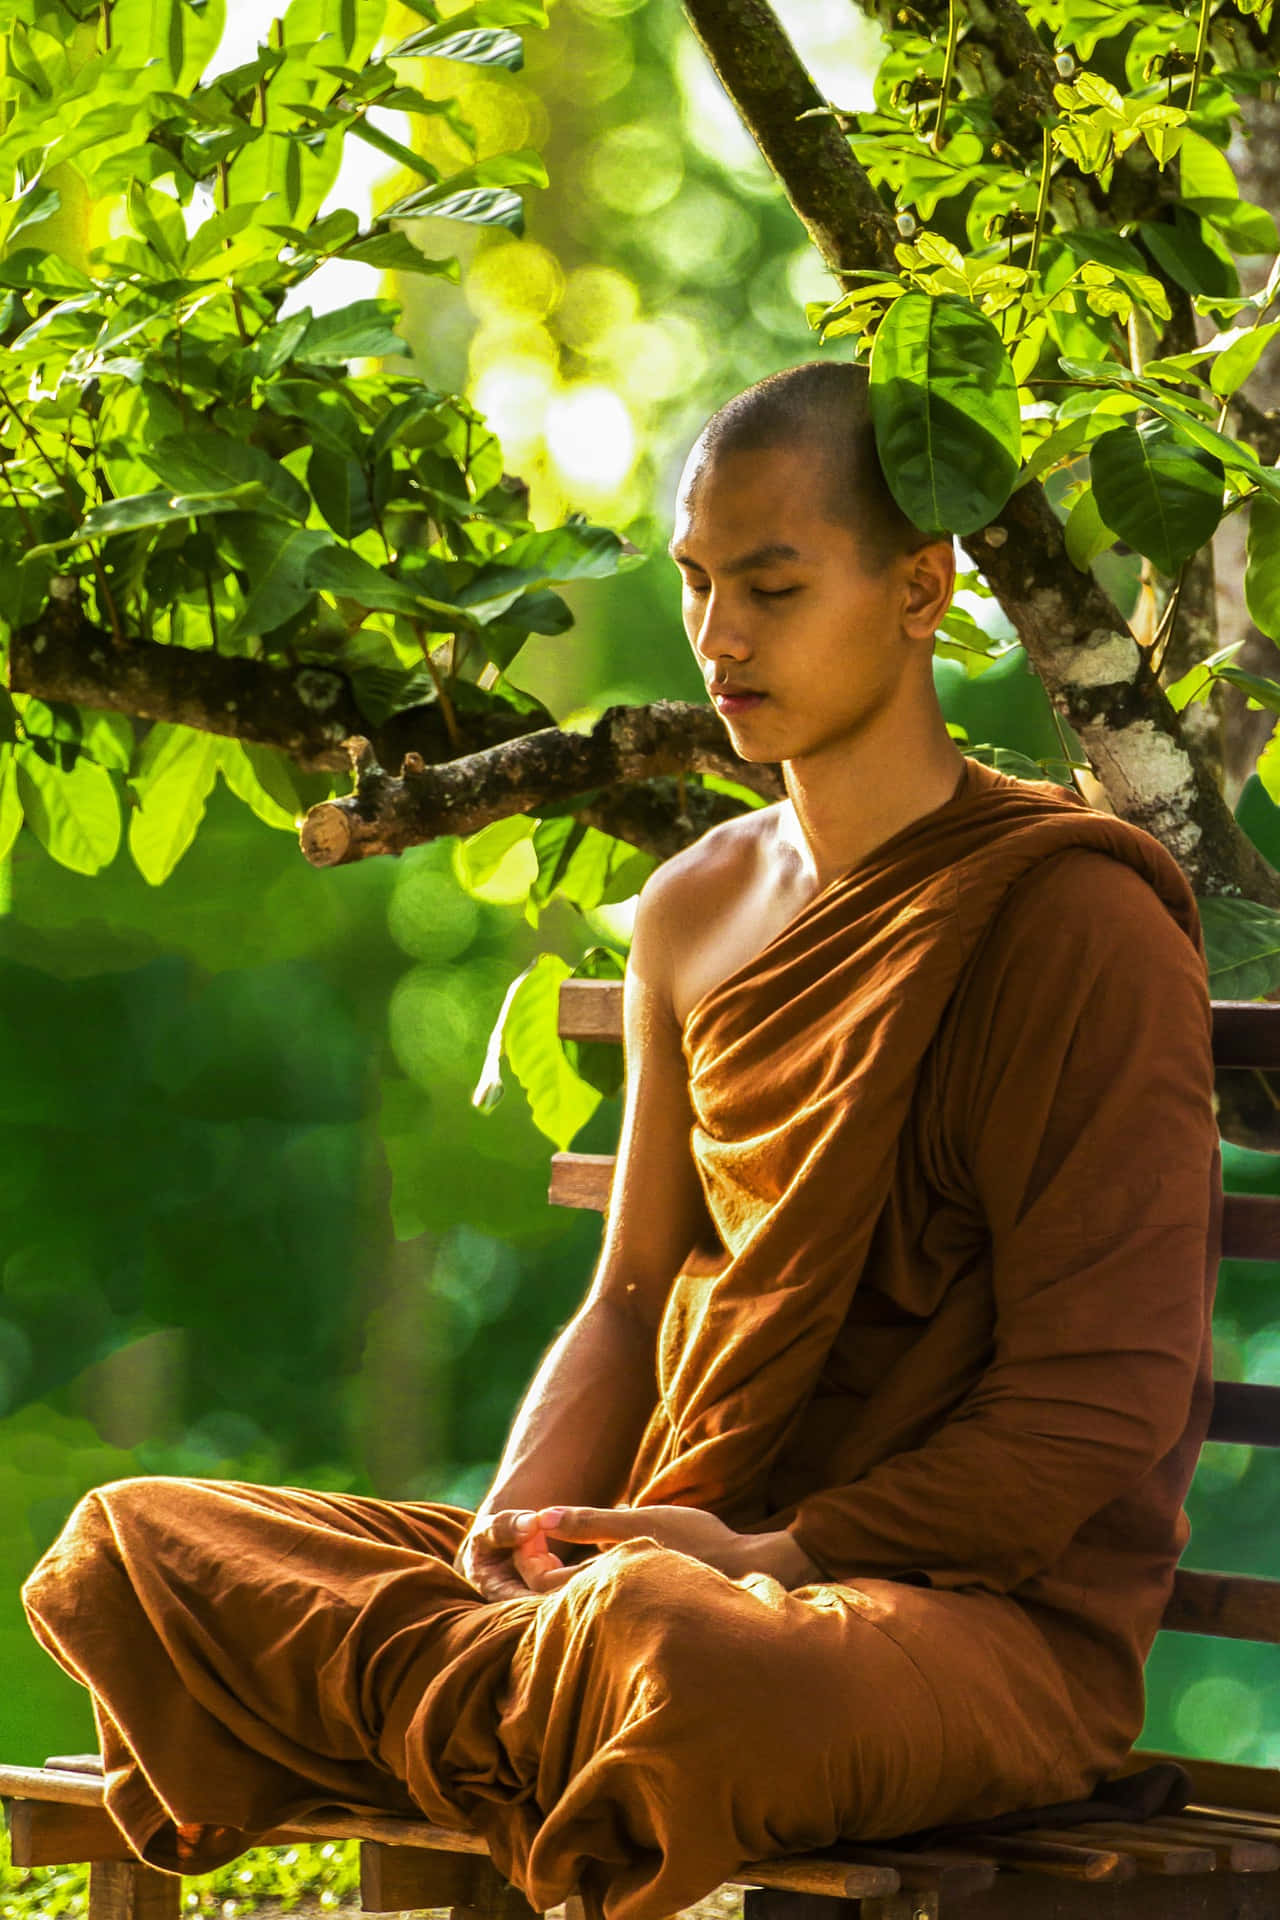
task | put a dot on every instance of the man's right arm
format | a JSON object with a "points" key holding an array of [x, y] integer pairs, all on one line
{"points": [[576, 1432]]}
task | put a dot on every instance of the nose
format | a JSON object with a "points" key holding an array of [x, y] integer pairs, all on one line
{"points": [[714, 631]]}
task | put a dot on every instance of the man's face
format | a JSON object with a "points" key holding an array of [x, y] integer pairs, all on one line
{"points": [[803, 641]]}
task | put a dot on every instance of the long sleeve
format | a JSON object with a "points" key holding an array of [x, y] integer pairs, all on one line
{"points": [[1077, 1113]]}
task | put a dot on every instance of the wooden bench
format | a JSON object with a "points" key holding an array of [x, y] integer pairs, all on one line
{"points": [[1219, 1859]]}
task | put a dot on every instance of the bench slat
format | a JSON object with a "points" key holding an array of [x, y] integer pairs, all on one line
{"points": [[581, 1180], [1151, 1853], [1251, 1225], [1245, 1033], [1234, 1852], [1245, 1414], [591, 1010], [1229, 1606]]}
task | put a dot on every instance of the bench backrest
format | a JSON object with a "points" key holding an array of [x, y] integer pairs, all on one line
{"points": [[1245, 1034]]}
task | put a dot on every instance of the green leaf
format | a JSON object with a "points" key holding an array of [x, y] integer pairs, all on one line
{"points": [[10, 801], [1262, 566], [1190, 259], [31, 207], [1204, 172], [479, 857], [1085, 534], [136, 510], [261, 778], [396, 253], [341, 492], [364, 330], [74, 813], [1161, 498], [1007, 760], [1232, 367], [944, 406], [1242, 945], [1053, 449], [1267, 769], [573, 552], [481, 206], [107, 738], [1246, 228], [175, 775], [203, 461], [486, 47], [560, 1102], [275, 556], [339, 570]]}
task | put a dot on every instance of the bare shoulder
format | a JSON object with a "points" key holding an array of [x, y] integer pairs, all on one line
{"points": [[690, 894]]}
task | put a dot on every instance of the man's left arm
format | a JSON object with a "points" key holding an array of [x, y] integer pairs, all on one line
{"points": [[1081, 1104]]}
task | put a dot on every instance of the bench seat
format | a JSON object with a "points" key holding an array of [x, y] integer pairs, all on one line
{"points": [[57, 1817]]}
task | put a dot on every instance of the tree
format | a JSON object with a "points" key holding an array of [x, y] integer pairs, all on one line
{"points": [[211, 525]]}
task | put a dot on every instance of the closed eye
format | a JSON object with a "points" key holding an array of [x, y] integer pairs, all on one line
{"points": [[773, 593]]}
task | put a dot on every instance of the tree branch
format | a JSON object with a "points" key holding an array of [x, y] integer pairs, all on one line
{"points": [[1078, 642], [832, 196], [387, 813], [517, 761]]}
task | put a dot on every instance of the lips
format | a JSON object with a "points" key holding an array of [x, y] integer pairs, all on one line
{"points": [[734, 699]]}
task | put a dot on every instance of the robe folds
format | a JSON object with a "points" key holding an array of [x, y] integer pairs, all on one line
{"points": [[949, 1325]]}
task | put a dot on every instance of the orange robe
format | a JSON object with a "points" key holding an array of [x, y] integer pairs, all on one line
{"points": [[955, 1129]]}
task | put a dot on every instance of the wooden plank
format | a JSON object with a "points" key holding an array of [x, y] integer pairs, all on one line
{"points": [[945, 1871], [1245, 1415], [62, 1836], [1226, 1605], [1218, 1786], [126, 1890], [812, 1873], [1246, 1034], [590, 1010], [339, 1824], [1037, 1852], [1150, 1854], [1235, 1820], [581, 1179], [1233, 1850], [1199, 1896], [400, 1879], [42, 1783], [1251, 1226]]}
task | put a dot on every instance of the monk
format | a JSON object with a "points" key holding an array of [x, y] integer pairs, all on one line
{"points": [[849, 1501]]}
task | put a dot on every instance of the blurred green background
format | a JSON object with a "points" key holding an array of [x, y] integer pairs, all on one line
{"points": [[252, 1226]]}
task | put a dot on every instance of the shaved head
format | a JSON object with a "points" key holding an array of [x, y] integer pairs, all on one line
{"points": [[821, 407]]}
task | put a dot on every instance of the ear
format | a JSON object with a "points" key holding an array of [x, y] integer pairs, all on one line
{"points": [[927, 589]]}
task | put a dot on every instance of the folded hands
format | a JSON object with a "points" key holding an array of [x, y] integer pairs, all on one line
{"points": [[508, 1554]]}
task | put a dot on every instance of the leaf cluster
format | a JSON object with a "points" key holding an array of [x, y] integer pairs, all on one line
{"points": [[189, 454], [1038, 325]]}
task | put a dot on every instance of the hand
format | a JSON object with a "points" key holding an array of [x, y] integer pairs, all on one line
{"points": [[687, 1530], [504, 1554]]}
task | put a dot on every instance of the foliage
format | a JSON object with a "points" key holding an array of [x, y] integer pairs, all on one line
{"points": [[187, 455], [325, 1875], [1076, 277]]}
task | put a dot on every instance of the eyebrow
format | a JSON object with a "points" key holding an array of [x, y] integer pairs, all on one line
{"points": [[758, 557]]}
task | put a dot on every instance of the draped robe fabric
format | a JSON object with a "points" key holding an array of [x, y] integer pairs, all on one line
{"points": [[949, 1326]]}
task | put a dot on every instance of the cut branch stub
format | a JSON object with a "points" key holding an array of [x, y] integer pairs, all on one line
{"points": [[387, 813]]}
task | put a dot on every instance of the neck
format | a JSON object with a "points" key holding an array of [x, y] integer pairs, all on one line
{"points": [[849, 798]]}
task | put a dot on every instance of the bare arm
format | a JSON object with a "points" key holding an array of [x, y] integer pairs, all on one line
{"points": [[578, 1426]]}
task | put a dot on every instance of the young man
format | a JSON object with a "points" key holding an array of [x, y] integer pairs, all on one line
{"points": [[876, 1421]]}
